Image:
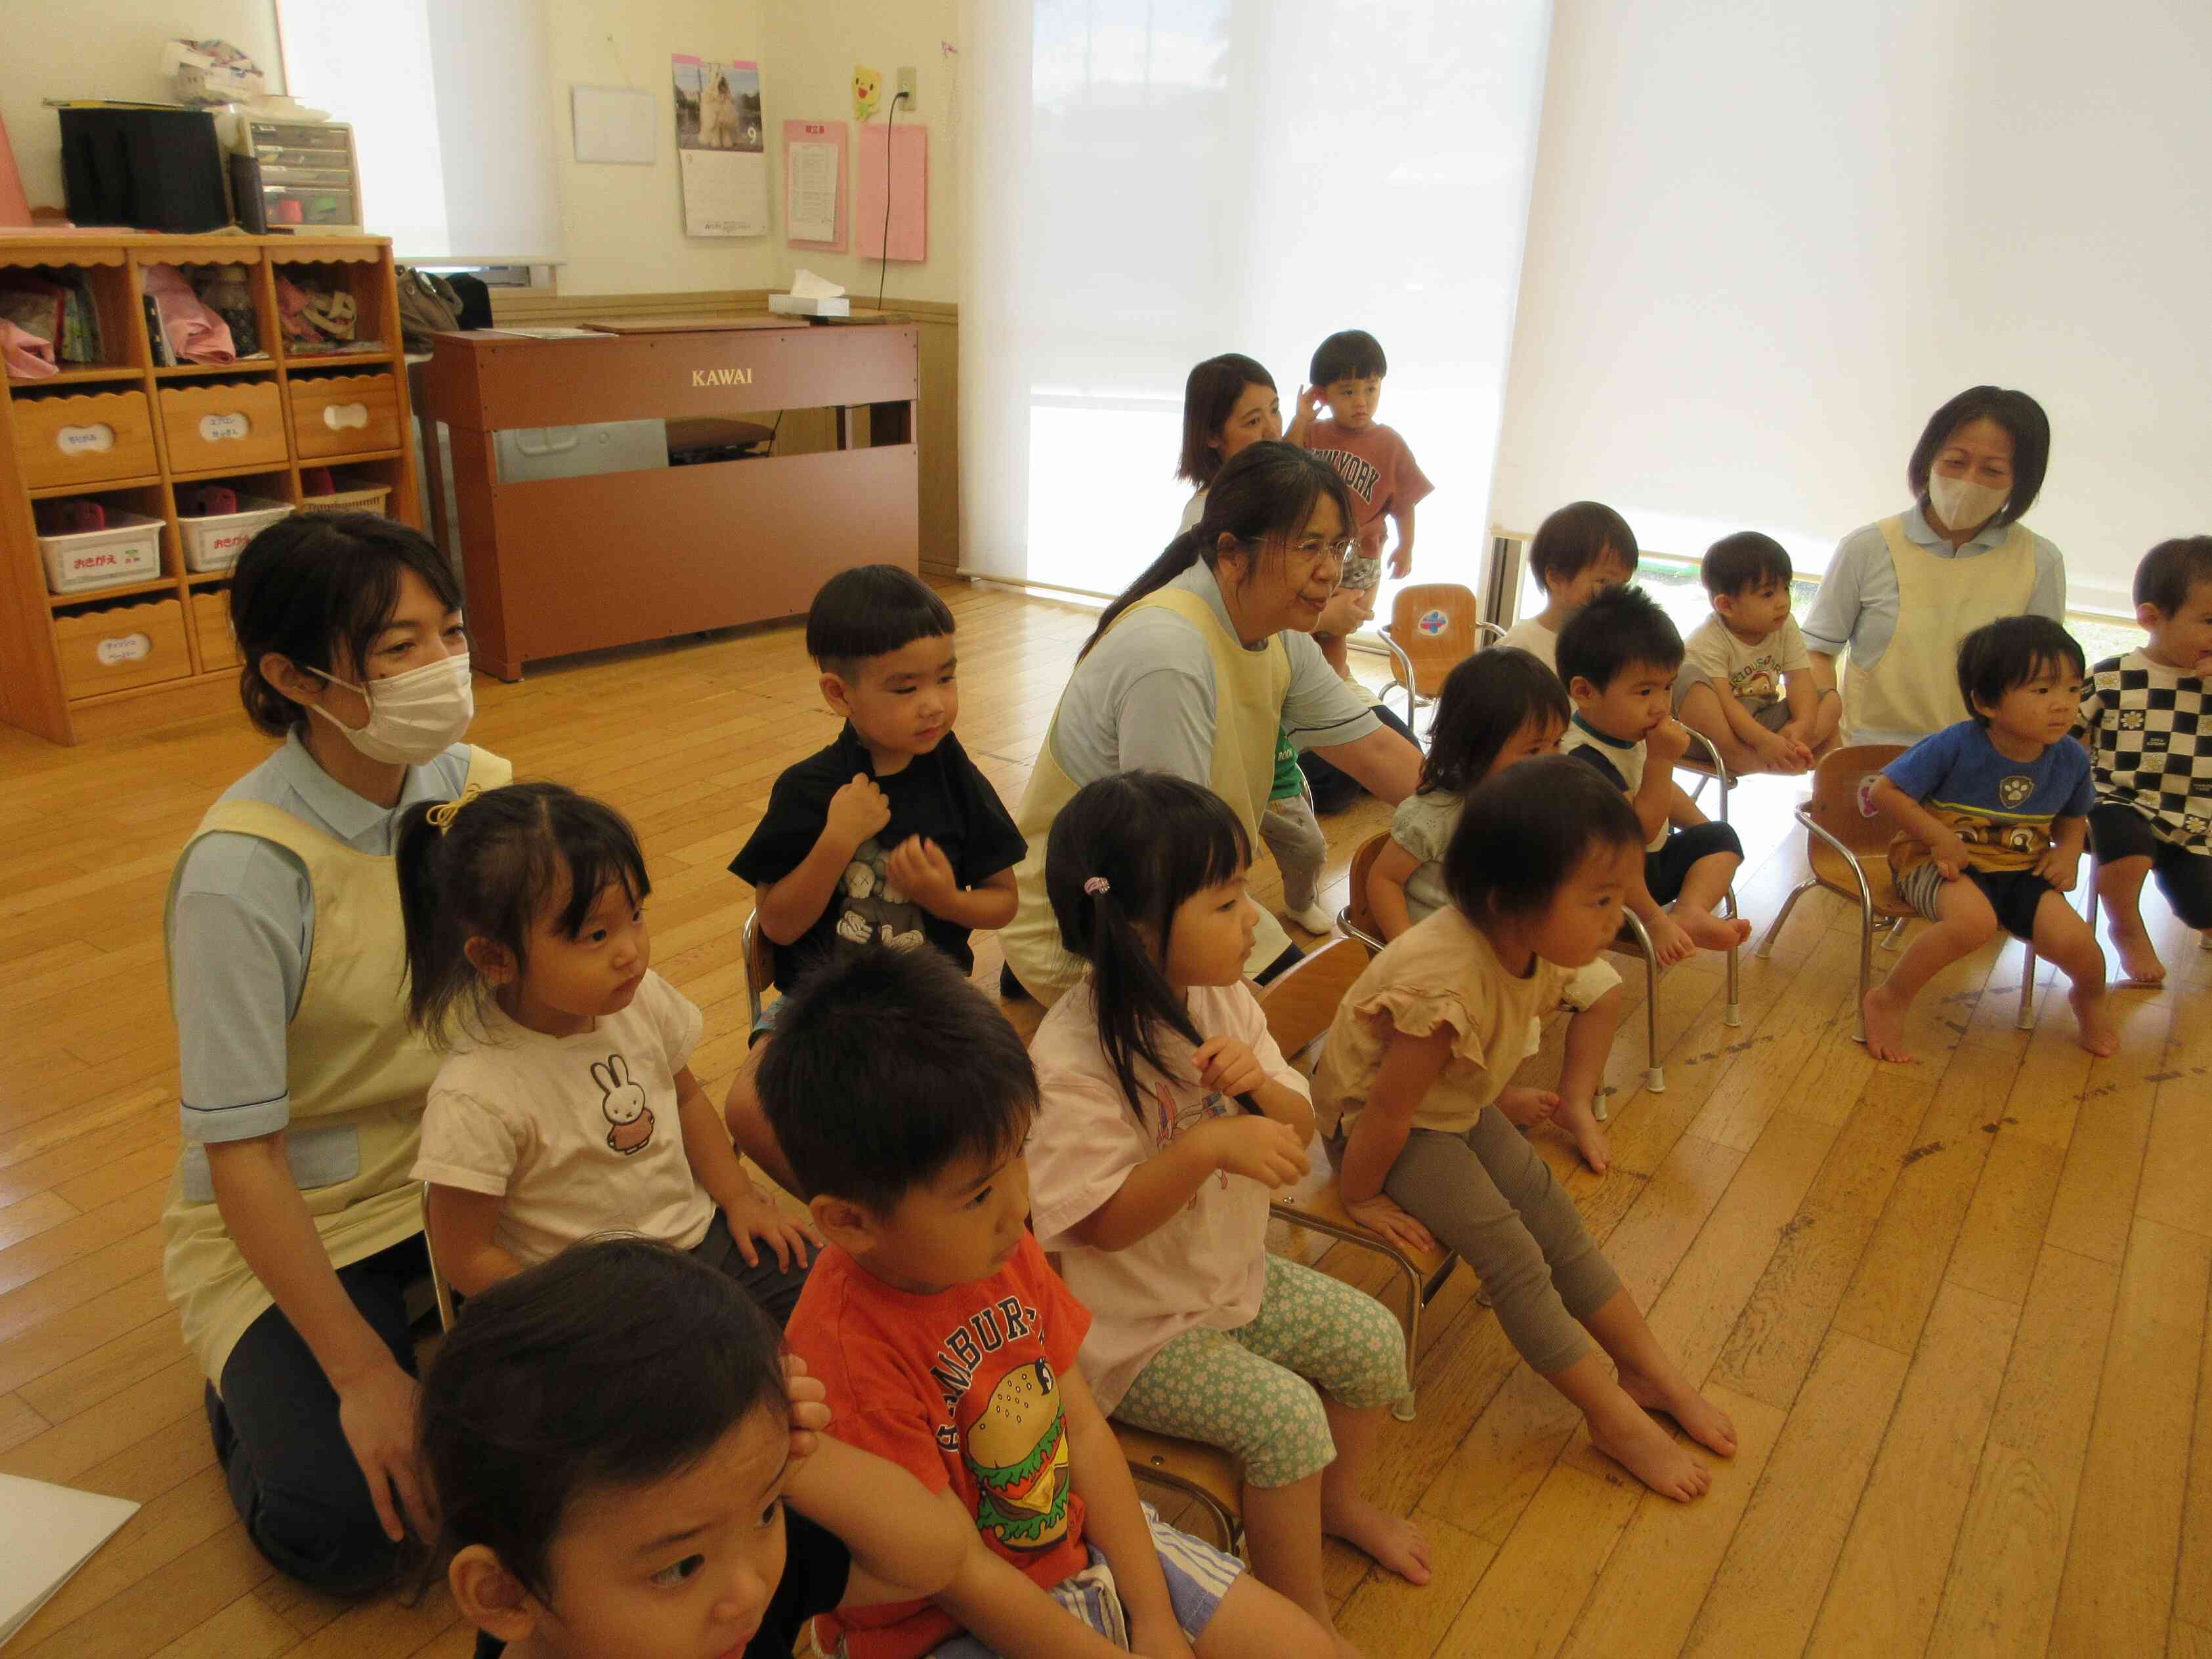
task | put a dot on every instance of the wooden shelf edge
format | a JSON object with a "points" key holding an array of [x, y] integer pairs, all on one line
{"points": [[92, 486], [120, 591], [103, 374], [236, 470], [207, 371], [295, 365]]}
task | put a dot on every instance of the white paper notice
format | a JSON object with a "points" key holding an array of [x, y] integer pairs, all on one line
{"points": [[46, 1532], [810, 215]]}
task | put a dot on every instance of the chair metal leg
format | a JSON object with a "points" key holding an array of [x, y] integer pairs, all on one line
{"points": [[1732, 1014], [1655, 1074], [2027, 1020], [1765, 945], [1416, 1293]]}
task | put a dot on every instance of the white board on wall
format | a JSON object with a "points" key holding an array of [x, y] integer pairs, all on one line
{"points": [[614, 124]]}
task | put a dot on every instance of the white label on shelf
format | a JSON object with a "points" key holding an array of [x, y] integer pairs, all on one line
{"points": [[85, 440], [123, 647], [214, 428], [338, 416]]}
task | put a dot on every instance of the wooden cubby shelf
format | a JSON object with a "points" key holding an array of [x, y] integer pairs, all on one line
{"points": [[151, 650]]}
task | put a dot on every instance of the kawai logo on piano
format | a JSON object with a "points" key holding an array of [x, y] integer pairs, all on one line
{"points": [[721, 377]]}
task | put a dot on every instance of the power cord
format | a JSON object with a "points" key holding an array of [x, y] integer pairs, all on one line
{"points": [[891, 115]]}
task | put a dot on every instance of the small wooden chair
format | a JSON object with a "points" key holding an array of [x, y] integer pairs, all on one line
{"points": [[1357, 919], [1848, 850], [1433, 627]]}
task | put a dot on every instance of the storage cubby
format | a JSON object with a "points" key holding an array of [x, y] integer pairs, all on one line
{"points": [[356, 486], [364, 287], [105, 277], [143, 440], [237, 290]]}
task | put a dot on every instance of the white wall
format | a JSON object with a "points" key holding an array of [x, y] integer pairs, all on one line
{"points": [[55, 52], [1766, 241]]}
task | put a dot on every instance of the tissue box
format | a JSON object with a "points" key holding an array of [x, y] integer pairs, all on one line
{"points": [[794, 305]]}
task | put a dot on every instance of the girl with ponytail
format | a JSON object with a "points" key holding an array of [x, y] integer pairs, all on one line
{"points": [[1168, 1119]]}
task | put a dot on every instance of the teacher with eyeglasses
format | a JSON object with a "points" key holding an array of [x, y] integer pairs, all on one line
{"points": [[1193, 671]]}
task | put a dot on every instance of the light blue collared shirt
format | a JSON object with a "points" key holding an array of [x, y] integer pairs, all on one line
{"points": [[1857, 605], [242, 932]]}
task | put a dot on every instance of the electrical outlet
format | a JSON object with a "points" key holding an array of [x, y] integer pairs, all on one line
{"points": [[906, 84]]}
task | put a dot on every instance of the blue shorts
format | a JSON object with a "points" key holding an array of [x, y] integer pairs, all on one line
{"points": [[765, 1021], [1198, 1577]]}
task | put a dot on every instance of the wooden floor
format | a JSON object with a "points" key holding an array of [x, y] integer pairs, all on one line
{"points": [[1957, 1308]]}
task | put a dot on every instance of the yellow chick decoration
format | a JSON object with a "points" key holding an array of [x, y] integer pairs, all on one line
{"points": [[867, 86]]}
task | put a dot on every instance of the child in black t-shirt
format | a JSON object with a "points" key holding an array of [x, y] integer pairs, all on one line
{"points": [[890, 835]]}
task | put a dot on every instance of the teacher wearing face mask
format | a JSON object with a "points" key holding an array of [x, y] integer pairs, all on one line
{"points": [[1902, 592], [293, 1231]]}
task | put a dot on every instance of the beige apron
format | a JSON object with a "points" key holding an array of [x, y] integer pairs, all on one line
{"points": [[1914, 686], [1248, 689], [357, 1075]]}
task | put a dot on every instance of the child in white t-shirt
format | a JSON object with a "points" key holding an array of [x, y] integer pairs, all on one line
{"points": [[1167, 1119], [1746, 680], [1577, 553], [566, 1105]]}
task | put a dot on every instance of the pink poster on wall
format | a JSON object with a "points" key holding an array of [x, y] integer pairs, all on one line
{"points": [[893, 202]]}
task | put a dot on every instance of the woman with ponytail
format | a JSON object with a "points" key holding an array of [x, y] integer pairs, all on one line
{"points": [[1195, 669], [1167, 1119]]}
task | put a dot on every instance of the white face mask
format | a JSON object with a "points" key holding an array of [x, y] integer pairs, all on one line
{"points": [[412, 717], [1963, 504]]}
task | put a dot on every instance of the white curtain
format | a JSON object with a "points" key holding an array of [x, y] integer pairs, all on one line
{"points": [[1148, 183], [1768, 241], [453, 112]]}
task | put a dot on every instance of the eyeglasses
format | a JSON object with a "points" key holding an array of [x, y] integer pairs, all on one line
{"points": [[1307, 548]]}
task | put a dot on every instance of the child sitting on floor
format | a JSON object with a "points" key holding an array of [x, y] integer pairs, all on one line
{"points": [[1746, 680], [947, 1343], [1413, 1092], [1498, 708], [1994, 810], [2151, 747], [1619, 655], [1167, 1119], [1577, 552]]}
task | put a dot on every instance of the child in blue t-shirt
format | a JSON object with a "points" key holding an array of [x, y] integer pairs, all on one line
{"points": [[1994, 810]]}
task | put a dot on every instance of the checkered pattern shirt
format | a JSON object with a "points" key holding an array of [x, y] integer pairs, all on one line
{"points": [[2151, 748]]}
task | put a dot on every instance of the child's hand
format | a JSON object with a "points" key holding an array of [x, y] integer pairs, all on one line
{"points": [[1526, 1108], [1225, 1064], [1159, 1638], [1401, 564], [1779, 754], [1380, 1216], [1950, 853], [1345, 611], [857, 812], [755, 1218], [1258, 1148], [1310, 403], [2058, 867], [919, 868], [810, 1412], [1668, 742]]}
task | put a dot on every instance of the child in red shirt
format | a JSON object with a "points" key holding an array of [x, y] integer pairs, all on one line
{"points": [[946, 1342]]}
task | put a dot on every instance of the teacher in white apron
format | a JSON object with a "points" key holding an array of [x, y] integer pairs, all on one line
{"points": [[293, 1231], [1195, 669], [1902, 592]]}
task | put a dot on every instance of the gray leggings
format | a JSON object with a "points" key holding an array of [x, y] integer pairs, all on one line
{"points": [[1488, 1196]]}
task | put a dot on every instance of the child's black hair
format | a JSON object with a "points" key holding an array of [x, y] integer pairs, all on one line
{"points": [[488, 873], [2019, 414], [1737, 563], [2171, 569], [2009, 652], [1574, 538], [1485, 701], [617, 1363], [1263, 494], [317, 588], [1123, 856], [1618, 630], [1209, 398], [886, 1067], [870, 612], [1352, 353], [1527, 830]]}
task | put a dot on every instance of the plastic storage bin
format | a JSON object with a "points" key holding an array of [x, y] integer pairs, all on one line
{"points": [[128, 550], [214, 542], [349, 498]]}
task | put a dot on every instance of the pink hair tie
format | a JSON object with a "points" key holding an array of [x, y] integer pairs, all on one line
{"points": [[1094, 886]]}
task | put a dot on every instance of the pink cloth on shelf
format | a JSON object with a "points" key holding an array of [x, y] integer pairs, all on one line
{"points": [[195, 334], [28, 357]]}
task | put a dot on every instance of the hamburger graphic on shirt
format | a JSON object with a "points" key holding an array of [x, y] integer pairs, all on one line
{"points": [[1016, 1449]]}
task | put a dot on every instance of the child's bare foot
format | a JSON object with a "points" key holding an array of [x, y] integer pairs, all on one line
{"points": [[1394, 1540], [1702, 1420], [1668, 942], [1580, 1121], [1647, 1451], [2139, 962], [2093, 1009], [1709, 931], [1885, 1027], [1524, 1108]]}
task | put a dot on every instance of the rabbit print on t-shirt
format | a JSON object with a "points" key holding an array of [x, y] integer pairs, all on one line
{"points": [[624, 1105]]}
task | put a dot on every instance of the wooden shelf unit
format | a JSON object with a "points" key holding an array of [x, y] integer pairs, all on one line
{"points": [[37, 690]]}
